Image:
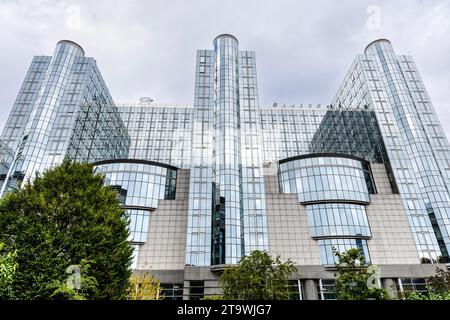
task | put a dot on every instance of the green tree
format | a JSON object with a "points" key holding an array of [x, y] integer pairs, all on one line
{"points": [[66, 217], [8, 266], [145, 287], [353, 277], [258, 277]]}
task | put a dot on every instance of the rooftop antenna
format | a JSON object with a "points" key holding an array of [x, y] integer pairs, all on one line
{"points": [[145, 100]]}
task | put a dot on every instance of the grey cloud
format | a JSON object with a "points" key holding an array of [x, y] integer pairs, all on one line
{"points": [[303, 49]]}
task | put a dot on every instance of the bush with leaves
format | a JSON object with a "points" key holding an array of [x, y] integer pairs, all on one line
{"points": [[145, 287], [440, 282], [351, 281], [258, 277], [438, 288], [66, 216], [412, 295]]}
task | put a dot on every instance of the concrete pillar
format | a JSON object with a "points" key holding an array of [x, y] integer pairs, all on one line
{"points": [[390, 286], [186, 286], [310, 289]]}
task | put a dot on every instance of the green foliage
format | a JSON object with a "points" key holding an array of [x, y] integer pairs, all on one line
{"points": [[145, 287], [440, 259], [66, 290], [438, 287], [66, 216], [212, 298], [258, 277], [425, 296], [425, 260], [8, 266], [440, 282], [353, 276]]}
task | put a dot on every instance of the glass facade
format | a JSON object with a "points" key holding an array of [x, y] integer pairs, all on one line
{"points": [[252, 158], [198, 243], [63, 109], [352, 132], [325, 289], [226, 179], [326, 246], [6, 157], [288, 130], [98, 134], [143, 182], [140, 185], [338, 219], [418, 285], [227, 167], [335, 190], [172, 291], [418, 151], [324, 178], [38, 129], [161, 133]]}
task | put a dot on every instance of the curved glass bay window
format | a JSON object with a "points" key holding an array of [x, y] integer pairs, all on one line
{"points": [[335, 190], [338, 219], [326, 249], [140, 185], [317, 178]]}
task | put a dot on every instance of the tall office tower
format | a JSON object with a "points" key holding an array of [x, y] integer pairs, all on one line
{"points": [[226, 158], [416, 145], [63, 109]]}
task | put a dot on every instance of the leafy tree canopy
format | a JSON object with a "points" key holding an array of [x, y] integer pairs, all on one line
{"points": [[258, 277], [66, 217]]}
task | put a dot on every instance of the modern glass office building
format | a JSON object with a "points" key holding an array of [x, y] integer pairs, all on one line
{"points": [[206, 184], [63, 109]]}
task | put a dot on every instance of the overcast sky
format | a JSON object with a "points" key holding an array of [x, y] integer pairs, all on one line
{"points": [[303, 49]]}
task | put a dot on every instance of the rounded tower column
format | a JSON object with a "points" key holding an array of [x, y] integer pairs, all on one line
{"points": [[227, 158], [31, 150]]}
